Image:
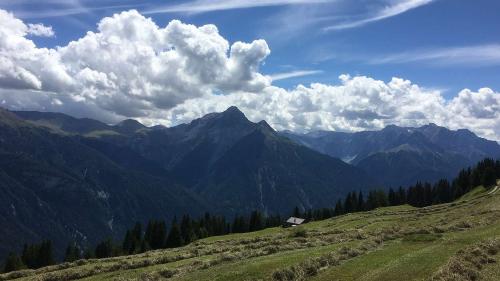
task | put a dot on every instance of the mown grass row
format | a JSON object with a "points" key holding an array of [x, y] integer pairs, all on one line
{"points": [[355, 234], [467, 263]]}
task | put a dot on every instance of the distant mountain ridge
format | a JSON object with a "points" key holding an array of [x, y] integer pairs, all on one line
{"points": [[403, 155]]}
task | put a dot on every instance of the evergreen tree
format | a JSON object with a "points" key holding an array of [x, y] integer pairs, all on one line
{"points": [[354, 201], [309, 215], [128, 243], [72, 253], [339, 210], [256, 222], [393, 201], [371, 201], [174, 238], [133, 239], [144, 247], [461, 183], [155, 234], [13, 263], [104, 249], [137, 231], [443, 193], [326, 213], [38, 255], [401, 197], [45, 255], [29, 256], [348, 207], [87, 254], [361, 202], [187, 230], [296, 212], [428, 197]]}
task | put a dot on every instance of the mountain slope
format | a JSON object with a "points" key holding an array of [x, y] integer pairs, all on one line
{"points": [[58, 187], [266, 171], [83, 180], [399, 155], [394, 243], [239, 166]]}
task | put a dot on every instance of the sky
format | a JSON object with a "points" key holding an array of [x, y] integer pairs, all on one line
{"points": [[302, 65]]}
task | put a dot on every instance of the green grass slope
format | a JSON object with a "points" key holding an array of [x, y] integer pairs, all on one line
{"points": [[455, 241]]}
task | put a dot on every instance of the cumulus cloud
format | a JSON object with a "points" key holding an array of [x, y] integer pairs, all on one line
{"points": [[132, 68], [355, 104]]}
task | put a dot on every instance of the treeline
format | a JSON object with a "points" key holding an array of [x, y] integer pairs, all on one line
{"points": [[33, 256], [156, 235], [484, 173]]}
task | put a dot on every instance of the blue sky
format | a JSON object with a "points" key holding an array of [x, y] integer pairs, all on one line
{"points": [[299, 42], [302, 65]]}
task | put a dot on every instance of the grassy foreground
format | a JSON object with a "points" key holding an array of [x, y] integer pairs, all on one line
{"points": [[455, 241]]}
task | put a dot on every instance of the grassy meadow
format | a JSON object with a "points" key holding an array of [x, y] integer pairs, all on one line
{"points": [[454, 241]]}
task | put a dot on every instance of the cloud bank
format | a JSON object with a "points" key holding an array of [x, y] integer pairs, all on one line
{"points": [[132, 68]]}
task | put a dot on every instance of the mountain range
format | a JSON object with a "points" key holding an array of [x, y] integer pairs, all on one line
{"points": [[78, 179], [69, 179], [400, 156]]}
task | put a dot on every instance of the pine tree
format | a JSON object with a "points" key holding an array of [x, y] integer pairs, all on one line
{"points": [[361, 202], [144, 247], [354, 201], [87, 254], [428, 198], [326, 213], [348, 208], [256, 222], [339, 210], [155, 234], [45, 255], [137, 231], [392, 198], [371, 202], [443, 192], [72, 253], [296, 212], [128, 243], [187, 231], [104, 249], [29, 256], [240, 225], [174, 238], [401, 196], [13, 263]]}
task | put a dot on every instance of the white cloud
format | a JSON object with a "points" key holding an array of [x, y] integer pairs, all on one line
{"points": [[203, 6], [39, 29], [293, 74], [130, 67], [469, 55], [357, 103], [395, 8]]}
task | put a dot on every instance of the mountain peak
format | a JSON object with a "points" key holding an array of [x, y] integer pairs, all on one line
{"points": [[130, 125], [233, 111], [264, 125]]}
